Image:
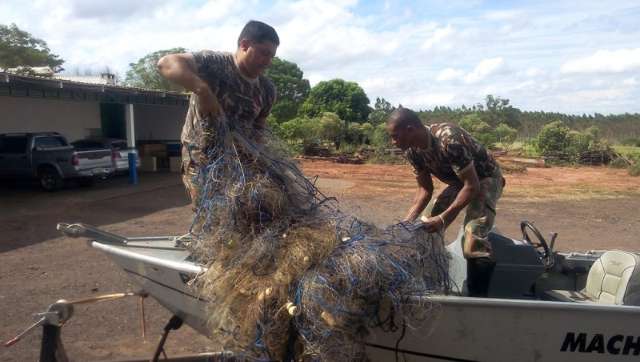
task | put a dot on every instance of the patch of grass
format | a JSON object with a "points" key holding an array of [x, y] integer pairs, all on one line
{"points": [[634, 170], [524, 148], [530, 150], [631, 152]]}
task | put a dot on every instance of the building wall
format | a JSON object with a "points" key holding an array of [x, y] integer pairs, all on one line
{"points": [[74, 120], [160, 123]]}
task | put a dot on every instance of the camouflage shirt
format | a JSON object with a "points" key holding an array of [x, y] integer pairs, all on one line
{"points": [[450, 150], [246, 103]]}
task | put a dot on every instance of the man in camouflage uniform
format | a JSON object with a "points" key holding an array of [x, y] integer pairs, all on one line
{"points": [[224, 86], [473, 180]]}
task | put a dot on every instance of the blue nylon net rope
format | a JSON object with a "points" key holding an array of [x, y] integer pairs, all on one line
{"points": [[284, 260]]}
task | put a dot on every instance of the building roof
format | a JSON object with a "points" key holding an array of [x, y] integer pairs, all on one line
{"points": [[14, 85], [104, 78]]}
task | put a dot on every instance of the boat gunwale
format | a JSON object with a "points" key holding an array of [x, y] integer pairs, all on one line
{"points": [[448, 300]]}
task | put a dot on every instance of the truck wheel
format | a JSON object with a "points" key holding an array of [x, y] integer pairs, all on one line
{"points": [[49, 179]]}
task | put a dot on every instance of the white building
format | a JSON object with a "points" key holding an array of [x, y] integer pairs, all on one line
{"points": [[81, 109]]}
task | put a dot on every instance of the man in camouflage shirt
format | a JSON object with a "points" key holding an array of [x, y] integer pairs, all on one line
{"points": [[473, 180], [223, 85]]}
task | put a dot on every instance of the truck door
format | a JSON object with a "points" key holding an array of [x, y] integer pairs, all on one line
{"points": [[14, 160]]}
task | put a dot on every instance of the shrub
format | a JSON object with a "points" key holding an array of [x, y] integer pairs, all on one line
{"points": [[506, 135], [380, 138], [354, 134], [553, 138], [618, 162], [557, 142], [479, 129], [530, 148], [330, 128], [634, 170], [300, 130]]}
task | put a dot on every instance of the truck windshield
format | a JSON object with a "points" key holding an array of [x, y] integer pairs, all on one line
{"points": [[50, 142]]}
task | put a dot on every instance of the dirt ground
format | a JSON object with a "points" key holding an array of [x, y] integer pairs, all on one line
{"points": [[590, 208]]}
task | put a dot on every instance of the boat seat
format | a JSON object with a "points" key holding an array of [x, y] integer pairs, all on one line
{"points": [[614, 278]]}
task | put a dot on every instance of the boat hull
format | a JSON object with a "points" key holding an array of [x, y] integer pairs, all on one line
{"points": [[462, 328]]}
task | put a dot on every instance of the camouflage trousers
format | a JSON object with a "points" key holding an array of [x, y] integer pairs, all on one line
{"points": [[480, 214], [190, 172]]}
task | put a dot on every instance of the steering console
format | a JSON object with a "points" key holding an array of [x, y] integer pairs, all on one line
{"points": [[540, 243]]}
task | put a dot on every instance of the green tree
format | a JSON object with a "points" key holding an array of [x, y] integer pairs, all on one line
{"points": [[381, 111], [292, 89], [354, 134], [479, 129], [500, 111], [553, 138], [505, 135], [346, 99], [557, 141], [331, 128], [300, 130], [367, 132], [18, 48], [380, 138], [144, 72]]}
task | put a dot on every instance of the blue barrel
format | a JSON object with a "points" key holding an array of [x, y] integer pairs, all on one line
{"points": [[133, 171]]}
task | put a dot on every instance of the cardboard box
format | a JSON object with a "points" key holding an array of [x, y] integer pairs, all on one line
{"points": [[154, 150], [175, 164], [149, 164]]}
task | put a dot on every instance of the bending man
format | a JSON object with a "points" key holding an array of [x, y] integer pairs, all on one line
{"points": [[473, 180]]}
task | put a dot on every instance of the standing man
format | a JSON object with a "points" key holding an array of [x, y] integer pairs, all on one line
{"points": [[473, 180], [223, 85]]}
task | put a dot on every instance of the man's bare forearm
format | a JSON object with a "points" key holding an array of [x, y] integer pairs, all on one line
{"points": [[469, 191], [181, 69], [423, 195], [463, 198], [419, 203]]}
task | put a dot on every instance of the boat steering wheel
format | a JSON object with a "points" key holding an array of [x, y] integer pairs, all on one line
{"points": [[541, 243]]}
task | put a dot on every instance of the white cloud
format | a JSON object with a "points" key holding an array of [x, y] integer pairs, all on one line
{"points": [[605, 61], [324, 34], [485, 68], [525, 85], [217, 9], [375, 85], [418, 101], [449, 74], [113, 10], [439, 37], [481, 71], [419, 54], [501, 15], [593, 95], [533, 72]]}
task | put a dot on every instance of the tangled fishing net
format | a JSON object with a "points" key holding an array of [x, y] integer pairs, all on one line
{"points": [[289, 273]]}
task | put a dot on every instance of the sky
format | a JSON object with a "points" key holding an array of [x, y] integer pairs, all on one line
{"points": [[551, 55]]}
